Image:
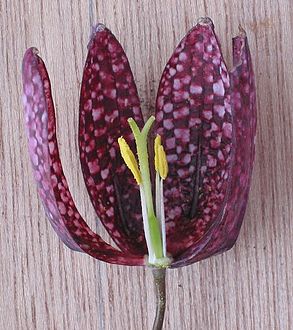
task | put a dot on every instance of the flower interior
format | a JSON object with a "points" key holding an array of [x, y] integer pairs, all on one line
{"points": [[205, 128]]}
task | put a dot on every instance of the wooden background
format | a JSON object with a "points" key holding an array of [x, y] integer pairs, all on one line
{"points": [[43, 285]]}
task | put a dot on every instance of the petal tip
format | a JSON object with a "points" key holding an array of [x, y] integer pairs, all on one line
{"points": [[205, 21], [242, 32], [99, 27], [29, 58], [32, 51]]}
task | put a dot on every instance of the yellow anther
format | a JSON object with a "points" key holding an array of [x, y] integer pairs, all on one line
{"points": [[157, 145], [129, 159], [161, 164]]}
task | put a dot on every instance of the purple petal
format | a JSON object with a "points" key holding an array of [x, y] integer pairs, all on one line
{"points": [[108, 98], [225, 234], [52, 185], [195, 122]]}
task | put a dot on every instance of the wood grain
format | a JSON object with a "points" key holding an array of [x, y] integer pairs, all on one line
{"points": [[43, 285]]}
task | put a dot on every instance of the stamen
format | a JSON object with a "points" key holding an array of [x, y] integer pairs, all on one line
{"points": [[156, 149], [161, 167], [129, 159]]}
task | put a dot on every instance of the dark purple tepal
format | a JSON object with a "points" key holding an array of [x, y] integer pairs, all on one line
{"points": [[206, 117]]}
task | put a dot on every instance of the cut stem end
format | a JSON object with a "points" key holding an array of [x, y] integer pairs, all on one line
{"points": [[159, 275]]}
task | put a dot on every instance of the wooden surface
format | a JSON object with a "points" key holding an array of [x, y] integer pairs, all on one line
{"points": [[43, 285]]}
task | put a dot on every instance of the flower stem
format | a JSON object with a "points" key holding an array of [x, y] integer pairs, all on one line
{"points": [[159, 275]]}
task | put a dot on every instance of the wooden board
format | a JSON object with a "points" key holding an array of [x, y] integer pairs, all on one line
{"points": [[43, 285]]}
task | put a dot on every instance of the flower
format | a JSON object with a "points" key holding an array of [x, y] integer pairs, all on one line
{"points": [[204, 151]]}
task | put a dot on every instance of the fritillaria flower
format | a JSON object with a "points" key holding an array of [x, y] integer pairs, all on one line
{"points": [[170, 192]]}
